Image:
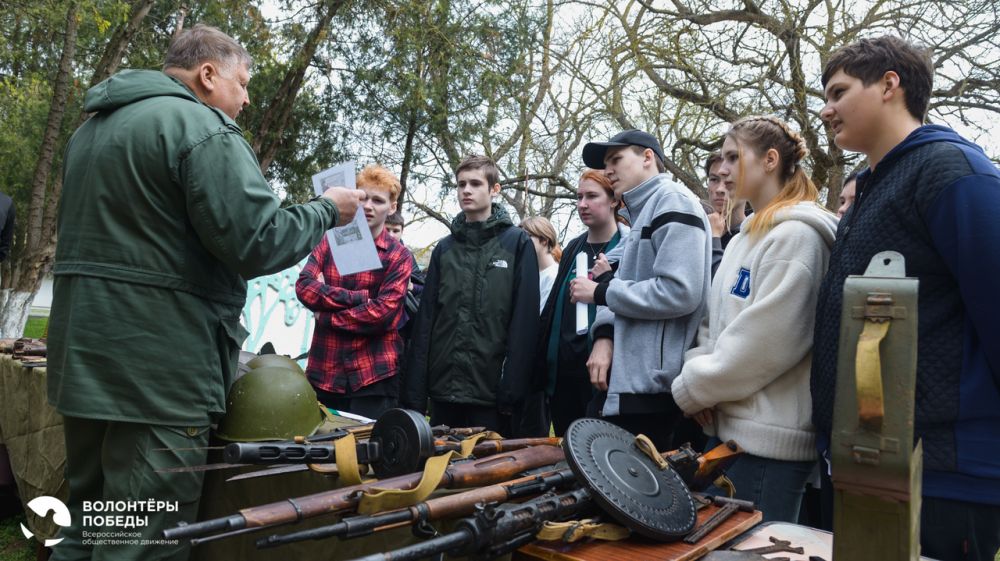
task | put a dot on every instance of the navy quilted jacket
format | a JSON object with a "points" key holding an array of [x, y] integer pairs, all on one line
{"points": [[935, 198]]}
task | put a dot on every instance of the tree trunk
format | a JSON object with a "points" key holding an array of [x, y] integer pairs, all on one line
{"points": [[404, 174], [179, 24], [37, 248], [16, 306], [267, 139], [120, 40], [31, 264]]}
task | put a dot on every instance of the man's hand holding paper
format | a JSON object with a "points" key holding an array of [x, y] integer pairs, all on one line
{"points": [[347, 201]]}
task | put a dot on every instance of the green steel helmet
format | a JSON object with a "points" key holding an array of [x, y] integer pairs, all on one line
{"points": [[280, 361], [270, 403]]}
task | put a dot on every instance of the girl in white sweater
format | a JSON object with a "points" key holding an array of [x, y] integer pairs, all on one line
{"points": [[747, 379]]}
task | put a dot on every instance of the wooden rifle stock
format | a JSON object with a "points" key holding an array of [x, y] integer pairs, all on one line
{"points": [[461, 504], [476, 473], [490, 447], [714, 463], [454, 505]]}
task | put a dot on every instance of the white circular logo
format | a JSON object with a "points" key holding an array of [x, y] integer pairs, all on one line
{"points": [[41, 506]]}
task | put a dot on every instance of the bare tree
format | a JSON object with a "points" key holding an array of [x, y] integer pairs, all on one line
{"points": [[718, 60]]}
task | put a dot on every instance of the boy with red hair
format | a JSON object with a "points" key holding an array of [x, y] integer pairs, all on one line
{"points": [[356, 348]]}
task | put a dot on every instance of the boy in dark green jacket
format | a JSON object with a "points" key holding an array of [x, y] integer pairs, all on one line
{"points": [[474, 336], [164, 214]]}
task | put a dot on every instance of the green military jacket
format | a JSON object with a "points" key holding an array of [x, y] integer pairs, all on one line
{"points": [[163, 216]]}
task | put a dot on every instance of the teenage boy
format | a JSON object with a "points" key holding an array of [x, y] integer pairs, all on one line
{"points": [[847, 194], [474, 336], [394, 224], [354, 360], [651, 309], [932, 196]]}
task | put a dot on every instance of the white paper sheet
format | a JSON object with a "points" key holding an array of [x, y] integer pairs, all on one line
{"points": [[352, 246], [582, 319]]}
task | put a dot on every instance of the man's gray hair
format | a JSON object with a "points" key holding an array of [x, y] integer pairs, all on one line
{"points": [[204, 43]]}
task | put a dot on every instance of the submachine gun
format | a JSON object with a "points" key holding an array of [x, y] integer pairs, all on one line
{"points": [[400, 442], [697, 470], [638, 489]]}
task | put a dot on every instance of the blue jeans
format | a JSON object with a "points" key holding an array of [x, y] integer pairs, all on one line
{"points": [[775, 486]]}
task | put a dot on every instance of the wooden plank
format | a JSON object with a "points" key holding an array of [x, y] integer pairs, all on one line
{"points": [[641, 549]]}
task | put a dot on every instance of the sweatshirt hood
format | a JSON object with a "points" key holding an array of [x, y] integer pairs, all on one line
{"points": [[821, 220], [498, 221], [130, 86], [925, 135], [919, 137]]}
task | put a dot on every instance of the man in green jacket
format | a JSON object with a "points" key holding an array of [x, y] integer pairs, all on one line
{"points": [[474, 336], [164, 214]]}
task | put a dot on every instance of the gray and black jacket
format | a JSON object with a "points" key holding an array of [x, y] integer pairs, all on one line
{"points": [[654, 304]]}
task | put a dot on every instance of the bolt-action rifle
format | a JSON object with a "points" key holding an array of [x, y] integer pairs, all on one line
{"points": [[476, 473], [440, 508], [694, 468]]}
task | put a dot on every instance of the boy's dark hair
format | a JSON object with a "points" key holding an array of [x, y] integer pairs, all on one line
{"points": [[640, 150], [487, 165], [713, 158], [852, 177], [869, 59], [396, 219]]}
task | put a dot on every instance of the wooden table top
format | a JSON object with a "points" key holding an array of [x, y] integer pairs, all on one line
{"points": [[642, 549]]}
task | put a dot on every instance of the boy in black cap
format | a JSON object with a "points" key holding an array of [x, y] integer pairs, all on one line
{"points": [[651, 309]]}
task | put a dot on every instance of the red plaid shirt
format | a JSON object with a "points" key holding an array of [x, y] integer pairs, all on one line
{"points": [[356, 341]]}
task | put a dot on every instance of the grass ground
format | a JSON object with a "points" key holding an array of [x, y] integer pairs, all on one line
{"points": [[35, 328], [13, 546]]}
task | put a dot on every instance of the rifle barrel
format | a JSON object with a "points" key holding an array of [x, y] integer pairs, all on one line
{"points": [[491, 529], [428, 548], [477, 473], [449, 506]]}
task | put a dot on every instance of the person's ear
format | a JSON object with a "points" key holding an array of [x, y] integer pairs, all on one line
{"points": [[890, 85], [771, 160], [495, 190], [392, 208], [206, 76]]}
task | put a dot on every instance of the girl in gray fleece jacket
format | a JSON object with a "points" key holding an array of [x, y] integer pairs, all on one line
{"points": [[748, 377]]}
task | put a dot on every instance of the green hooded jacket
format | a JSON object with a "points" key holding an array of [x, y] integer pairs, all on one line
{"points": [[474, 335], [163, 216]]}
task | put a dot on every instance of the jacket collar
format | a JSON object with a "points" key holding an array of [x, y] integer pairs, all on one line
{"points": [[636, 198], [479, 232]]}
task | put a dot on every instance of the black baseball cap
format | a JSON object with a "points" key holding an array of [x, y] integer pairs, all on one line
{"points": [[594, 152]]}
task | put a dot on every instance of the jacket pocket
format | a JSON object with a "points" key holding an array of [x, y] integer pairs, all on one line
{"points": [[661, 335], [662, 379], [230, 335]]}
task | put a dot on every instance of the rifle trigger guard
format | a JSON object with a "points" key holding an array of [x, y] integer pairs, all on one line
{"points": [[424, 529]]}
